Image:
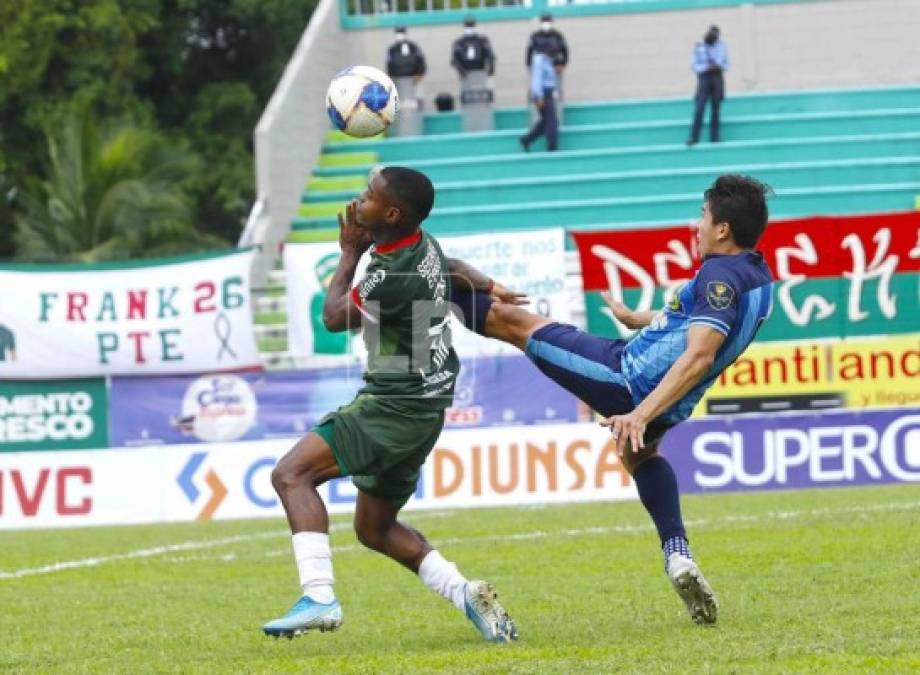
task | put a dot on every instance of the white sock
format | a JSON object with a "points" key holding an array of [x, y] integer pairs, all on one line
{"points": [[443, 578], [314, 564]]}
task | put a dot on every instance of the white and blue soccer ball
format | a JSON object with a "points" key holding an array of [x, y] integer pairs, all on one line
{"points": [[362, 101]]}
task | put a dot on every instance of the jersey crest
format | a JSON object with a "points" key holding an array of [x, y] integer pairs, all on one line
{"points": [[719, 294]]}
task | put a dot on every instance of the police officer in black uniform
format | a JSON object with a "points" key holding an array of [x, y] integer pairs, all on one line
{"points": [[472, 51], [405, 58], [551, 40], [474, 60], [406, 65]]}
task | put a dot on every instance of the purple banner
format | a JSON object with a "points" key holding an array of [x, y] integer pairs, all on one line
{"points": [[248, 406], [796, 451]]}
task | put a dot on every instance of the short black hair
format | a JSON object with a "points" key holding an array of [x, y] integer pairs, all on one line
{"points": [[411, 191], [740, 201]]}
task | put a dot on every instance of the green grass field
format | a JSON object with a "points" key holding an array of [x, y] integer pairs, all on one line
{"points": [[815, 581]]}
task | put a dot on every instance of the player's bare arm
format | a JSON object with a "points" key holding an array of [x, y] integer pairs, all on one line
{"points": [[466, 277], [339, 312], [684, 374], [632, 319]]}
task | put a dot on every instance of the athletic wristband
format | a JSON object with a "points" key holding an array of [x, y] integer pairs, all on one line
{"points": [[490, 287]]}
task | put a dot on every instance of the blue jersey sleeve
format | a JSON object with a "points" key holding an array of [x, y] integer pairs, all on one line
{"points": [[715, 298]]}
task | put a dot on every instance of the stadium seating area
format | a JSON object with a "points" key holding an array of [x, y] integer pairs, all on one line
{"points": [[624, 164]]}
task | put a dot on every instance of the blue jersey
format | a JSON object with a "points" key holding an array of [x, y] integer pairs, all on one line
{"points": [[731, 294]]}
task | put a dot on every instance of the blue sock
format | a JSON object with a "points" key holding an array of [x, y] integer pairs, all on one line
{"points": [[657, 486], [676, 544]]}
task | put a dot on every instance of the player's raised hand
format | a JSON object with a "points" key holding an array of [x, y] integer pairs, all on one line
{"points": [[353, 237], [629, 428], [500, 293], [621, 312]]}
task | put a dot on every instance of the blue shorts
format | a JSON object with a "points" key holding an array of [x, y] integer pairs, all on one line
{"points": [[586, 365], [589, 367]]}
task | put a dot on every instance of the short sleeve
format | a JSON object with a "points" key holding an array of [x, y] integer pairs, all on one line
{"points": [[379, 294], [715, 299]]}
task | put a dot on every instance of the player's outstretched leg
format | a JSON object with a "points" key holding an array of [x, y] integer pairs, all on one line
{"points": [[309, 463], [378, 529], [496, 320], [658, 492]]}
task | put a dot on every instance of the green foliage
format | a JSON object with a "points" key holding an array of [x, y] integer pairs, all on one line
{"points": [[200, 71], [109, 194], [213, 68], [809, 581]]}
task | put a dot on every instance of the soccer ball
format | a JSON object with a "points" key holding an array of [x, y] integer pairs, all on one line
{"points": [[361, 101]]}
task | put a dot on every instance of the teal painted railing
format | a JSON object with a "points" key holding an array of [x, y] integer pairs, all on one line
{"points": [[357, 14]]}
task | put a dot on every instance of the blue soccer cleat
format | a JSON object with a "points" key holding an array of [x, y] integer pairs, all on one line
{"points": [[306, 615], [489, 617], [693, 589]]}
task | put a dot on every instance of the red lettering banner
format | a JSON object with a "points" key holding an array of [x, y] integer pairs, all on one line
{"points": [[813, 247]]}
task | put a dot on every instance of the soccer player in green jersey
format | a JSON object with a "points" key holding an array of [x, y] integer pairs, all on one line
{"points": [[384, 435]]}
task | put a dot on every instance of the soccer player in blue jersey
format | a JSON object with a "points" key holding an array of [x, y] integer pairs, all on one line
{"points": [[648, 384]]}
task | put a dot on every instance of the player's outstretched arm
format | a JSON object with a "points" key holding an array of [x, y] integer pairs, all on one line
{"points": [[466, 277], [702, 344], [339, 311], [626, 316]]}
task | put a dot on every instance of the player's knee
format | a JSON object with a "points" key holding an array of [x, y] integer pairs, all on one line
{"points": [[631, 460], [512, 324], [371, 536], [286, 476], [282, 478]]}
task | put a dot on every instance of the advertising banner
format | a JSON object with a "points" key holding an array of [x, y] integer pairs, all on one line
{"points": [[532, 262], [770, 452], [818, 375], [864, 281], [58, 415], [172, 315], [506, 466], [247, 406]]}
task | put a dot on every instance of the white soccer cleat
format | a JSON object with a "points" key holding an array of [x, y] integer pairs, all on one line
{"points": [[489, 617], [693, 589]]}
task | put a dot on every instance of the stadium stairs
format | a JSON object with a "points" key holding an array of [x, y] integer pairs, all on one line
{"points": [[624, 165]]}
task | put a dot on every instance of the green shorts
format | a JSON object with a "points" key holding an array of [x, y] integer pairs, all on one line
{"points": [[381, 443]]}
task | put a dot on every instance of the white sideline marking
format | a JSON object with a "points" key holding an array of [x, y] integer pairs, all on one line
{"points": [[147, 553], [637, 529], [140, 553], [522, 536]]}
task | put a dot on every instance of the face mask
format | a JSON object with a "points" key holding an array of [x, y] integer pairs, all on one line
{"points": [[469, 30], [546, 26], [400, 37]]}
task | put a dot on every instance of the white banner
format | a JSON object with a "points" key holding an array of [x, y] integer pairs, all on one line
{"points": [[308, 269], [166, 316], [532, 262], [496, 467]]}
